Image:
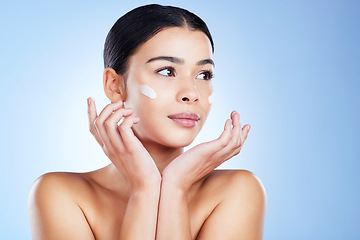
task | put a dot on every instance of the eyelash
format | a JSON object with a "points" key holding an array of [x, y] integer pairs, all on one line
{"points": [[167, 68], [208, 74]]}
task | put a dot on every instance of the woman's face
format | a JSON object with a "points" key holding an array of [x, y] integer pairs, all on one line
{"points": [[169, 86]]}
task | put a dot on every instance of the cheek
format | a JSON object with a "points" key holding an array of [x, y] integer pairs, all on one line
{"points": [[211, 98], [150, 100], [207, 95], [147, 91], [153, 94], [206, 92], [141, 95], [151, 108]]}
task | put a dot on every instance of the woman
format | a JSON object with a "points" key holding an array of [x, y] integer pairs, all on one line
{"points": [[158, 71]]}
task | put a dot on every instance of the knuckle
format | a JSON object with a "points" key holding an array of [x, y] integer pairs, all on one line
{"points": [[123, 128], [238, 143], [97, 122], [109, 106], [118, 150], [131, 150], [107, 124], [93, 130], [106, 151], [223, 142], [233, 146]]}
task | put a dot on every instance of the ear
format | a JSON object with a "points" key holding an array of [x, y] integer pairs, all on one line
{"points": [[114, 86]]}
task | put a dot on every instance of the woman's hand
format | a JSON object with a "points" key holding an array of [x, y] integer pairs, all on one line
{"points": [[121, 146], [200, 160]]}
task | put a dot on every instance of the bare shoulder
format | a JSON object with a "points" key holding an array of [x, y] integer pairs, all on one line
{"points": [[240, 209], [64, 180], [53, 207], [59, 185], [236, 182]]}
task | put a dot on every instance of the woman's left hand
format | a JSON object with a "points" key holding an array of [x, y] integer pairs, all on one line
{"points": [[200, 160]]}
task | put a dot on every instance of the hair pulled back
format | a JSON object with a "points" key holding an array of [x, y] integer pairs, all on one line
{"points": [[139, 25]]}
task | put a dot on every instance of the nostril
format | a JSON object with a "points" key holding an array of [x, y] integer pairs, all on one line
{"points": [[185, 99]]}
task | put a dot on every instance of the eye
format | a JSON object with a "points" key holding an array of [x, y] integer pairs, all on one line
{"points": [[206, 75], [167, 72]]}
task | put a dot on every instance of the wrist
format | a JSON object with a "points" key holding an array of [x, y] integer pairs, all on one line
{"points": [[145, 193], [150, 187], [176, 184]]}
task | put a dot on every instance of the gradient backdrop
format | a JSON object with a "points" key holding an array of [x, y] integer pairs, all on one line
{"points": [[291, 68]]}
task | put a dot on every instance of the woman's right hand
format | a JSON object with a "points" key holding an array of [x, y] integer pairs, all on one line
{"points": [[121, 146]]}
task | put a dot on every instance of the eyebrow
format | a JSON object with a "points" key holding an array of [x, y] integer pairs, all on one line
{"points": [[206, 61], [180, 60]]}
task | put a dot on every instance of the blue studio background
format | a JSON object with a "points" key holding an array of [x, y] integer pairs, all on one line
{"points": [[291, 68]]}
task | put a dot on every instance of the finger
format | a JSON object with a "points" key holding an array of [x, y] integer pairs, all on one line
{"points": [[224, 138], [127, 133], [245, 132], [99, 122], [215, 145], [233, 154], [118, 115], [91, 110], [236, 131], [92, 117], [234, 143], [110, 108], [111, 127], [225, 154]]}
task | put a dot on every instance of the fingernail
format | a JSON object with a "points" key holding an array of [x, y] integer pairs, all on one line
{"points": [[89, 101]]}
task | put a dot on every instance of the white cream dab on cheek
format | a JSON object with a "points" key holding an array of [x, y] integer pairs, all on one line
{"points": [[211, 98], [147, 91]]}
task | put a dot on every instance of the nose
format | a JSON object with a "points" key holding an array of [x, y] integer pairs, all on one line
{"points": [[188, 92]]}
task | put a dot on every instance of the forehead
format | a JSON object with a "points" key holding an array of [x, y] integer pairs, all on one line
{"points": [[178, 42]]}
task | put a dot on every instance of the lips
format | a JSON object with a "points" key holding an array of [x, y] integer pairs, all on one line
{"points": [[185, 119]]}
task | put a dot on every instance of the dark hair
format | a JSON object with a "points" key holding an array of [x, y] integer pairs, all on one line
{"points": [[139, 25]]}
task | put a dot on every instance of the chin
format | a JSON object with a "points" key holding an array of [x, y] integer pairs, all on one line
{"points": [[167, 136], [180, 144], [179, 141]]}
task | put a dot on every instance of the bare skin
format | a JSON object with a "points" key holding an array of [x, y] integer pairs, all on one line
{"points": [[152, 189]]}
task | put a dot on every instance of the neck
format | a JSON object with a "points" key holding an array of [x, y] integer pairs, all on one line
{"points": [[162, 155]]}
